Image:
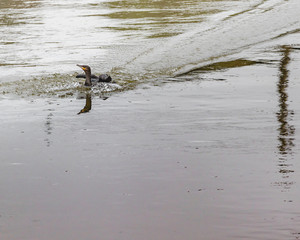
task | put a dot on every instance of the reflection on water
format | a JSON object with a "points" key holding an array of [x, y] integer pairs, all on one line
{"points": [[18, 4], [286, 130], [218, 66], [88, 104], [88, 100], [158, 17], [48, 129], [48, 125]]}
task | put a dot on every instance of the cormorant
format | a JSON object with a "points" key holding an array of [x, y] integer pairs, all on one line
{"points": [[91, 78]]}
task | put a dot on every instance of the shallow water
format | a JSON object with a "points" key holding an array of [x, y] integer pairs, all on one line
{"points": [[198, 139]]}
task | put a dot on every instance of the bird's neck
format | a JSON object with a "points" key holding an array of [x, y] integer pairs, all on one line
{"points": [[88, 81]]}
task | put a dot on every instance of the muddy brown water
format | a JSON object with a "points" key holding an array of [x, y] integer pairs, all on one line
{"points": [[166, 152]]}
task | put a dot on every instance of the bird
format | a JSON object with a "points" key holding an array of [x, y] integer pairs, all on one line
{"points": [[91, 79]]}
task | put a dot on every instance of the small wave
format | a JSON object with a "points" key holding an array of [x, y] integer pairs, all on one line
{"points": [[56, 85], [201, 46]]}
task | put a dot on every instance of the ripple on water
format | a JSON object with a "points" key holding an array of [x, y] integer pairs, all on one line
{"points": [[57, 85]]}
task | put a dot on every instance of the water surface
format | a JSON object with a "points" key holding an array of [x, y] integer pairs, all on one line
{"points": [[197, 139], [133, 41]]}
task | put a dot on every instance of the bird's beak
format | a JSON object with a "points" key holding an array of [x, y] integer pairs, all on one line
{"points": [[83, 68]]}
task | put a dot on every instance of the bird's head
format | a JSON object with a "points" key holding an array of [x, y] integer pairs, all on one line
{"points": [[85, 68]]}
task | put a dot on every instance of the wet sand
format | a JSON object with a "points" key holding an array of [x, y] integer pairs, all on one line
{"points": [[208, 159]]}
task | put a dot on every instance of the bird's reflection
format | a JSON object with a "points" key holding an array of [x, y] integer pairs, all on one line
{"points": [[88, 101], [88, 104], [286, 130]]}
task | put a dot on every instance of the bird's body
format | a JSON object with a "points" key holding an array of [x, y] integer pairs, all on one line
{"points": [[91, 79], [104, 78]]}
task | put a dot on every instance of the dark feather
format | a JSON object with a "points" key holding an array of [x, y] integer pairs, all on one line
{"points": [[104, 78]]}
